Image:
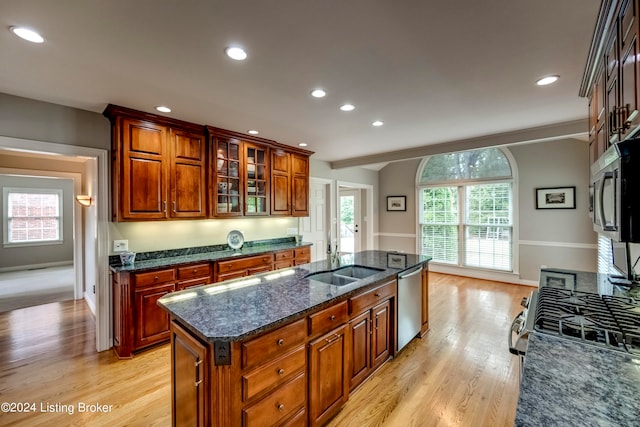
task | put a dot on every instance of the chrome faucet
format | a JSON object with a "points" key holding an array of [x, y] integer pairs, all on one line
{"points": [[334, 256]]}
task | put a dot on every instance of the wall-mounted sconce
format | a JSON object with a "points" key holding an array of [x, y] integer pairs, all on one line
{"points": [[84, 200]]}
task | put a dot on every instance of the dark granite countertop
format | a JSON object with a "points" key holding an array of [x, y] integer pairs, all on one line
{"points": [[237, 309], [570, 383], [567, 383], [173, 257]]}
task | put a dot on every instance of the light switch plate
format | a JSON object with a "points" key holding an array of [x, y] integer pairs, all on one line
{"points": [[120, 245]]}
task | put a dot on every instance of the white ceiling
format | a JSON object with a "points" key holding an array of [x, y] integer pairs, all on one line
{"points": [[434, 71]]}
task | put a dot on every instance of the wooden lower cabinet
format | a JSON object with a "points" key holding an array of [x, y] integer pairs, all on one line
{"points": [[371, 344], [189, 378], [152, 322], [328, 376]]}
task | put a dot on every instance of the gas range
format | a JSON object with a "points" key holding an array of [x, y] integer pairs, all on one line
{"points": [[611, 322]]}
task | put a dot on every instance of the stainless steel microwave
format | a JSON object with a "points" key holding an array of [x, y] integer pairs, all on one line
{"points": [[615, 178]]}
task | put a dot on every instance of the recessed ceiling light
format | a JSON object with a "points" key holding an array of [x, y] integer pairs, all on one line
{"points": [[547, 80], [163, 109], [253, 132], [27, 34], [318, 93], [236, 53], [377, 123], [303, 144], [347, 107]]}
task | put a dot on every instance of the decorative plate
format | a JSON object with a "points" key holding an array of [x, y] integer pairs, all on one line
{"points": [[235, 239]]}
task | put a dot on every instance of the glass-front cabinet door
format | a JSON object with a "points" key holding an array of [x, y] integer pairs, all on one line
{"points": [[256, 170], [228, 185]]}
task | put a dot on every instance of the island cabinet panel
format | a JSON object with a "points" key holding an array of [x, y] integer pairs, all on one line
{"points": [[189, 379], [327, 319], [372, 331], [328, 375]]}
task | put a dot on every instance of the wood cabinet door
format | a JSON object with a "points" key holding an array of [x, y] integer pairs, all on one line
{"points": [[381, 333], [227, 184], [360, 348], [328, 376], [143, 192], [280, 183], [188, 175], [256, 178], [188, 378], [152, 321], [612, 88], [300, 185], [629, 69]]}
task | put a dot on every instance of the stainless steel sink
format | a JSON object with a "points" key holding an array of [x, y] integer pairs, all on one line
{"points": [[344, 275]]}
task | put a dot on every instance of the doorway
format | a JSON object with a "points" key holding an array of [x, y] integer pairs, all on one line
{"points": [[350, 220], [315, 228], [91, 242]]}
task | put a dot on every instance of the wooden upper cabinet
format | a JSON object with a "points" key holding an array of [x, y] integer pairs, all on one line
{"points": [[227, 187], [280, 183], [188, 175], [612, 76], [139, 176], [256, 175], [300, 185], [158, 168]]}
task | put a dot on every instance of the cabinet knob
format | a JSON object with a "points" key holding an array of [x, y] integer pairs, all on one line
{"points": [[156, 278], [377, 294], [332, 318], [280, 371], [280, 407], [280, 342], [195, 270]]}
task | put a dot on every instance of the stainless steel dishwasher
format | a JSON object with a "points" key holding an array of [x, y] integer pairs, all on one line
{"points": [[409, 305]]}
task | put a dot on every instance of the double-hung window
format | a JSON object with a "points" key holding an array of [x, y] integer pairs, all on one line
{"points": [[466, 209], [32, 216]]}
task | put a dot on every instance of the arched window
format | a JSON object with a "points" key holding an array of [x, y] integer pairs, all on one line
{"points": [[466, 209]]}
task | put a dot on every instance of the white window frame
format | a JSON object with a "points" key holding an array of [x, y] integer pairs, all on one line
{"points": [[5, 217], [497, 274]]}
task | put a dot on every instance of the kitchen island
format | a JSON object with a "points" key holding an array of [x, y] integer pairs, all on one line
{"points": [[287, 347], [569, 382]]}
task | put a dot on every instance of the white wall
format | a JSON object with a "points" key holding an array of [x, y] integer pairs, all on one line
{"points": [[560, 238]]}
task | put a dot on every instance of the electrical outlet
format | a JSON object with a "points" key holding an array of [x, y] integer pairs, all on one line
{"points": [[120, 245]]}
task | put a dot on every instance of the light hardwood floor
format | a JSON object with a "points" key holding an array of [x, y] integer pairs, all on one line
{"points": [[459, 374]]}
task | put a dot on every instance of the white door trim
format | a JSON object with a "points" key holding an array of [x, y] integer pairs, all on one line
{"points": [[103, 290]]}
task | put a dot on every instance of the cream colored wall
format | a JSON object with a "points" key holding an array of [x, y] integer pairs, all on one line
{"points": [[162, 235]]}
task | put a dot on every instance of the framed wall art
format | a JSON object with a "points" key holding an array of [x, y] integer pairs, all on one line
{"points": [[556, 198], [396, 203]]}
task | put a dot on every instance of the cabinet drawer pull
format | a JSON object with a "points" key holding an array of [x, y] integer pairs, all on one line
{"points": [[333, 338], [280, 342], [280, 371], [174, 207], [332, 318], [280, 407]]}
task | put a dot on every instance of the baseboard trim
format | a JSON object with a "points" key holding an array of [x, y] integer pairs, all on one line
{"points": [[558, 244], [494, 276], [35, 266], [90, 303]]}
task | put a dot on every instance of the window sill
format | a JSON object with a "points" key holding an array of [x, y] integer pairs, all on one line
{"points": [[27, 244]]}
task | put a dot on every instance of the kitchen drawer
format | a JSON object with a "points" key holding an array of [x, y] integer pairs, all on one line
{"points": [[284, 255], [232, 275], [370, 298], [302, 252], [273, 373], [328, 319], [200, 281], [193, 271], [155, 277], [244, 263], [283, 264], [298, 420], [273, 344], [277, 405]]}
